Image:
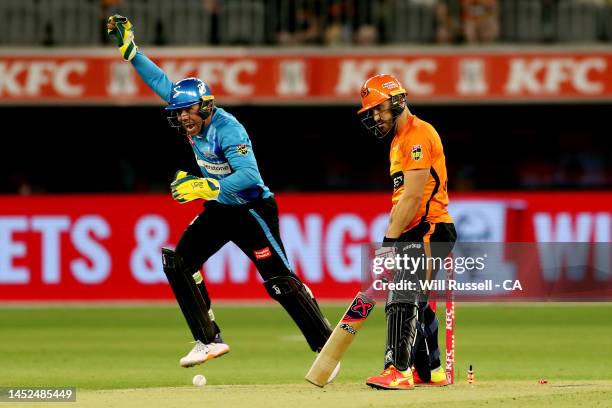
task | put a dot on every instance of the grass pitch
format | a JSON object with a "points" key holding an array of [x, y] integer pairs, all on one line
{"points": [[128, 356]]}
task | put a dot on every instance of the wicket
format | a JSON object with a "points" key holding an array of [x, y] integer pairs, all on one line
{"points": [[450, 330]]}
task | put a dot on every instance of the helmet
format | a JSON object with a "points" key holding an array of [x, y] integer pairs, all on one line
{"points": [[378, 89], [375, 91], [188, 92]]}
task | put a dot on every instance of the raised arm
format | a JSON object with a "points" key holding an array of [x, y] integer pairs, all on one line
{"points": [[121, 29]]}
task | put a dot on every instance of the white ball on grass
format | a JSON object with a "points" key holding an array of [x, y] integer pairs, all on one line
{"points": [[199, 380]]}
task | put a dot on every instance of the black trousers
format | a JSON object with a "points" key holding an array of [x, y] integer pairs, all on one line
{"points": [[252, 227]]}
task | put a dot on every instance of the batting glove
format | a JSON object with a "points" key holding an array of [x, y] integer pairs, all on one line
{"points": [[121, 28], [186, 188]]}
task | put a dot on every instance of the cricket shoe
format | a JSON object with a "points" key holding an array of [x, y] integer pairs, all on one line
{"points": [[202, 352], [392, 379], [438, 378]]}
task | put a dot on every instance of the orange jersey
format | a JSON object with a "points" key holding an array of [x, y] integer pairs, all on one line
{"points": [[418, 146]]}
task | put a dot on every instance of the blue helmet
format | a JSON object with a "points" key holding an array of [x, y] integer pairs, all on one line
{"points": [[188, 92]]}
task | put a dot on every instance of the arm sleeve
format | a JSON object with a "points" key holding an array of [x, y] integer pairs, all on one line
{"points": [[153, 76], [417, 153], [237, 149]]}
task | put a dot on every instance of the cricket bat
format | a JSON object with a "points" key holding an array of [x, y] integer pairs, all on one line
{"points": [[340, 339]]}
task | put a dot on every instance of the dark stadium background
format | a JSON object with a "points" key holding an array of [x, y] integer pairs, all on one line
{"points": [[62, 149]]}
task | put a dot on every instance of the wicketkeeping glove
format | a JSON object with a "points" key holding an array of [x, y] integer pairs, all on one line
{"points": [[186, 187], [121, 28]]}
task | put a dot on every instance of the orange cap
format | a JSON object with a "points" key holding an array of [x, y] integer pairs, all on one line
{"points": [[378, 89]]}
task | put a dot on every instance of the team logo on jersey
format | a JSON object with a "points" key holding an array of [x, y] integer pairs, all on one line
{"points": [[242, 149], [416, 152]]}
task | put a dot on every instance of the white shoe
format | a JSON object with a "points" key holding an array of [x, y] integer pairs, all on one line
{"points": [[334, 373], [202, 352]]}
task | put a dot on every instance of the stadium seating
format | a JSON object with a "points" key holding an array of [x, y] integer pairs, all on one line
{"points": [[270, 22]]}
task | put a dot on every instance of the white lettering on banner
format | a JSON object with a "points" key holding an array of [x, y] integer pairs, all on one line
{"points": [[10, 249], [336, 248], [9, 85], [229, 258], [151, 233], [524, 75], [587, 227], [60, 79], [176, 71], [292, 78], [378, 228], [353, 74], [121, 79], [37, 77], [211, 70], [472, 79], [562, 229], [82, 237], [303, 247], [231, 82], [215, 73], [39, 74], [51, 228]]}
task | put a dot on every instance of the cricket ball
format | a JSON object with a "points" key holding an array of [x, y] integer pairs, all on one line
{"points": [[199, 380]]}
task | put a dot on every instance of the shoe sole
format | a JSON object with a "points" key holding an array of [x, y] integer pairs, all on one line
{"points": [[209, 357], [388, 387], [430, 385]]}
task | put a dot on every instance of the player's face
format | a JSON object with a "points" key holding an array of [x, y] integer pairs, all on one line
{"points": [[190, 119], [383, 116]]}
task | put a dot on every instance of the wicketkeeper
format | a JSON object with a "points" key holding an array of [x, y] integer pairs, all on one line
{"points": [[238, 207]]}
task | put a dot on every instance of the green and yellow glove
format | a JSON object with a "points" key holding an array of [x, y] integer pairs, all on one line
{"points": [[186, 188], [121, 28]]}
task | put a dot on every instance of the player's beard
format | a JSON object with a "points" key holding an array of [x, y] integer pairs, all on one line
{"points": [[385, 126]]}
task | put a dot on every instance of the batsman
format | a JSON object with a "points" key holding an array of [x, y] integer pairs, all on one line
{"points": [[238, 207], [419, 226]]}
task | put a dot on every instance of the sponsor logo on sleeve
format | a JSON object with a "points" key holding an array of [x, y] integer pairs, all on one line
{"points": [[215, 168], [242, 149], [398, 179]]}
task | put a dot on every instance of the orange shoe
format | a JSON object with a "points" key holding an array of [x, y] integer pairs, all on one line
{"points": [[438, 379], [392, 379]]}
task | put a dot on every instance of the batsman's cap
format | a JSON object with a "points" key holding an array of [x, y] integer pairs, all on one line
{"points": [[188, 92], [378, 89]]}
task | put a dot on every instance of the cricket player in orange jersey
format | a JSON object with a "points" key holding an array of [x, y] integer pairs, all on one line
{"points": [[419, 226]]}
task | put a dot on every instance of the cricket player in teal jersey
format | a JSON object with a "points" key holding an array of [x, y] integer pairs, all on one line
{"points": [[238, 207]]}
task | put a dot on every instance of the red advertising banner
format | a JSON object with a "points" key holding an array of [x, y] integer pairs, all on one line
{"points": [[433, 75], [90, 247]]}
